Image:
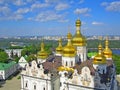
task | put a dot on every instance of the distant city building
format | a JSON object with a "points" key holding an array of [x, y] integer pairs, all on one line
{"points": [[12, 52], [70, 68]]}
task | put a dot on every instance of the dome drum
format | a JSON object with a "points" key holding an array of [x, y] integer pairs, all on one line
{"points": [[42, 55], [79, 43]]}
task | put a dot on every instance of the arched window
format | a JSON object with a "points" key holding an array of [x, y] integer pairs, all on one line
{"points": [[79, 57], [60, 84], [26, 85], [44, 88], [83, 57], [66, 63], [34, 87], [71, 63]]}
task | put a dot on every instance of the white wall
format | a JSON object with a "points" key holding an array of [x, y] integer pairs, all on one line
{"points": [[31, 81]]}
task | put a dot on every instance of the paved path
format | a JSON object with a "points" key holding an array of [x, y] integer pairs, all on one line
{"points": [[13, 84], [118, 79]]}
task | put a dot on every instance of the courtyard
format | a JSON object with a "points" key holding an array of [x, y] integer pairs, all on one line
{"points": [[11, 84]]}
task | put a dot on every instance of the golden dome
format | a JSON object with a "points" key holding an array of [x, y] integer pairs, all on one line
{"points": [[78, 23], [107, 52], [69, 35], [78, 39], [99, 58], [62, 68], [69, 49], [59, 49], [42, 54]]}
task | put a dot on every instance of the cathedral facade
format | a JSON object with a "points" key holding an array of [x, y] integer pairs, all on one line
{"points": [[70, 68]]}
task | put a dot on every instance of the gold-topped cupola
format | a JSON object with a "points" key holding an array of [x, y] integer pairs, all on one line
{"points": [[42, 54], [69, 49], [99, 58], [107, 51], [78, 38], [59, 49]]}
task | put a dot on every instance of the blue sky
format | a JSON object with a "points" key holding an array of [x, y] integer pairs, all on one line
{"points": [[54, 17]]}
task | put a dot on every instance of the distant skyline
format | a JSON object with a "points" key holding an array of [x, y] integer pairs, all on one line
{"points": [[53, 17]]}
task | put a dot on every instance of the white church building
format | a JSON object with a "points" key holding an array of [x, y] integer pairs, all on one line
{"points": [[69, 68]]}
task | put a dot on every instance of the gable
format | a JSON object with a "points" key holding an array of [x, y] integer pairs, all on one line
{"points": [[22, 59]]}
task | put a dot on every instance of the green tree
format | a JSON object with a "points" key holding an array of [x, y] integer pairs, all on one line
{"points": [[31, 57], [1, 50], [15, 47], [116, 59], [3, 57], [32, 49], [16, 59]]}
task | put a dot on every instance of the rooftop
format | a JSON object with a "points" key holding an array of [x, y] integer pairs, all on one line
{"points": [[4, 66]]}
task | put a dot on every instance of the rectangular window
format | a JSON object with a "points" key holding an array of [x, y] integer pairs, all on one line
{"points": [[34, 87], [71, 63], [44, 88], [60, 84], [26, 84], [66, 64]]}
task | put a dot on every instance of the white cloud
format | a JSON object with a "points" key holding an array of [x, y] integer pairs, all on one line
{"points": [[5, 10], [12, 17], [76, 1], [61, 6], [83, 23], [53, 1], [29, 1], [1, 1], [63, 20], [113, 6], [48, 16], [104, 4], [22, 10], [97, 23], [7, 14], [39, 5], [15, 17], [82, 10], [81, 1], [19, 2]]}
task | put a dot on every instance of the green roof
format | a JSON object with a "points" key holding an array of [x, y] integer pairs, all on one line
{"points": [[91, 54], [4, 66]]}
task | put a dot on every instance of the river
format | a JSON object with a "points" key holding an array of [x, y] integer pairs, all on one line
{"points": [[116, 51]]}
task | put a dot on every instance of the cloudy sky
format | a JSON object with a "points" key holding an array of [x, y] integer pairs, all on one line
{"points": [[55, 17]]}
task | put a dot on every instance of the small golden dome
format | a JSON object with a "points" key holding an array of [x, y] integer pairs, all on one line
{"points": [[69, 35], [78, 39], [107, 52], [42, 54], [69, 49], [62, 68], [78, 23], [59, 49], [99, 58]]}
